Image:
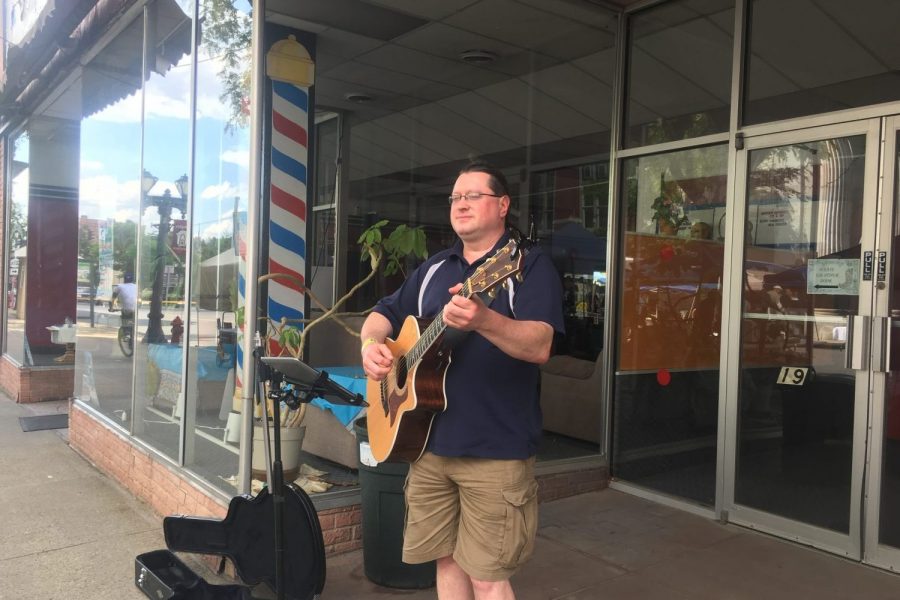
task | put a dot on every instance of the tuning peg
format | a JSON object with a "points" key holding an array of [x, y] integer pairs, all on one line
{"points": [[492, 292], [519, 277]]}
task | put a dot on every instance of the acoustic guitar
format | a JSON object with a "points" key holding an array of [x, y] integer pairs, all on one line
{"points": [[402, 406]]}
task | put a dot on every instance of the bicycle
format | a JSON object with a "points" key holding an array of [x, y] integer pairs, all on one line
{"points": [[126, 331]]}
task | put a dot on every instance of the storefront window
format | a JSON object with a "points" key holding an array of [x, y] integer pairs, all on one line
{"points": [[109, 211], [665, 413], [159, 349], [530, 91], [17, 247], [792, 73], [220, 192], [679, 71]]}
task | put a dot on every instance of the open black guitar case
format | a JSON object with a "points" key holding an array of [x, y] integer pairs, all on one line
{"points": [[247, 537]]}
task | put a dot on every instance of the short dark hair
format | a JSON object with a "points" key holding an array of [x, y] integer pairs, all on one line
{"points": [[497, 181]]}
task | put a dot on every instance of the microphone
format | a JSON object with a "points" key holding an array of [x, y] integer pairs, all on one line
{"points": [[314, 384]]}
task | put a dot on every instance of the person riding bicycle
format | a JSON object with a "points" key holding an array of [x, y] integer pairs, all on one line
{"points": [[126, 295]]}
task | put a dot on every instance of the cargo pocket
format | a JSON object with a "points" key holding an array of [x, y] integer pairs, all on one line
{"points": [[521, 524]]}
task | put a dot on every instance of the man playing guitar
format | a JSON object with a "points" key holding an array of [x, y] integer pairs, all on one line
{"points": [[472, 496]]}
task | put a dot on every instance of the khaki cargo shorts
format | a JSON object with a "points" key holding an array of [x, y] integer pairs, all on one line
{"points": [[483, 512]]}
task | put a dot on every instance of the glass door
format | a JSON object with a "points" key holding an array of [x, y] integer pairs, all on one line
{"points": [[804, 225], [882, 545]]}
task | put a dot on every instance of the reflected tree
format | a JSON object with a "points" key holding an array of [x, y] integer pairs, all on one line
{"points": [[226, 36]]}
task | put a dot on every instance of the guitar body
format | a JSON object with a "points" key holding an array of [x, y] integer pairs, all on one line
{"points": [[403, 405]]}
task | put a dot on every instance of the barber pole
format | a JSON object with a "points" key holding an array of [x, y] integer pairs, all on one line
{"points": [[291, 69], [287, 209]]}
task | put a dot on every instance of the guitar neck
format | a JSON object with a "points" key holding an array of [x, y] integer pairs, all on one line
{"points": [[433, 331]]}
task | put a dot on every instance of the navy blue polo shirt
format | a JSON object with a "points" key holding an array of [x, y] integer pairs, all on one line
{"points": [[493, 409]]}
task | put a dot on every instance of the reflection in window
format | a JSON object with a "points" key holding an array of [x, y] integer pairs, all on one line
{"points": [[667, 382], [804, 218], [791, 73], [160, 395], [679, 71], [220, 192], [109, 201], [17, 248], [535, 100], [571, 206]]}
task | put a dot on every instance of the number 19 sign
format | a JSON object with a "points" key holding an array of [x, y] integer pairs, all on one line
{"points": [[792, 375]]}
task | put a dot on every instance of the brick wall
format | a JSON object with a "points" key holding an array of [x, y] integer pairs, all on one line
{"points": [[563, 485], [164, 489], [36, 384]]}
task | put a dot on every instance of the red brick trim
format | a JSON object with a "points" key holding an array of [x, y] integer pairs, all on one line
{"points": [[36, 384], [164, 488]]}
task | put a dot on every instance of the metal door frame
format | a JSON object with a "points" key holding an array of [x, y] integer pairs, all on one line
{"points": [[849, 544], [874, 553]]}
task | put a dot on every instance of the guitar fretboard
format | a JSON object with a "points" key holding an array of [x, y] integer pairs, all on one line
{"points": [[432, 332]]}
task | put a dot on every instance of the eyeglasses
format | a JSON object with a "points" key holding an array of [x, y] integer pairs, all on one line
{"points": [[470, 196]]}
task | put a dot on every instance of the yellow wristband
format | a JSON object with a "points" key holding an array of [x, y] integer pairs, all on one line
{"points": [[366, 343]]}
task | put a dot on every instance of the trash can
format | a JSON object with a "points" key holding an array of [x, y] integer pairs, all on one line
{"points": [[383, 515]]}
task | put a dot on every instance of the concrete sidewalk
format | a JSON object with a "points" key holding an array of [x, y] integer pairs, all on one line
{"points": [[70, 532]]}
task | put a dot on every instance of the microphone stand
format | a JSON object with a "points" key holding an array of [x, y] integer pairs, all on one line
{"points": [[275, 474], [308, 385]]}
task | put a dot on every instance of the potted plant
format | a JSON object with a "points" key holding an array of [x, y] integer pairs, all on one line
{"points": [[668, 208], [385, 253]]}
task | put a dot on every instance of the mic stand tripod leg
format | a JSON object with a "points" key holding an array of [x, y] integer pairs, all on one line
{"points": [[274, 477], [277, 483]]}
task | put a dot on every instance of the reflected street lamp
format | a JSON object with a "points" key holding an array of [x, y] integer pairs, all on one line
{"points": [[164, 205]]}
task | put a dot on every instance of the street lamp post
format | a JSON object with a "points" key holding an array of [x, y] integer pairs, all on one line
{"points": [[164, 205]]}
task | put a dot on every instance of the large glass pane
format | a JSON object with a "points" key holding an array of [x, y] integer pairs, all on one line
{"points": [[813, 56], [17, 247], [109, 201], [159, 349], [527, 86], [795, 423], [679, 71], [221, 190], [665, 410]]}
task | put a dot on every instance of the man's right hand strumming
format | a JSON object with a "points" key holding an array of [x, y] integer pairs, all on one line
{"points": [[377, 359]]}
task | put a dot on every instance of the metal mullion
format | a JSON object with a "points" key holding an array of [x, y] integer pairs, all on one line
{"points": [[610, 336], [729, 365], [873, 551], [823, 119], [254, 206], [188, 422], [665, 147]]}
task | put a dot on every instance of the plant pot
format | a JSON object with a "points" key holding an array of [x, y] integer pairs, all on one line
{"points": [[291, 443]]}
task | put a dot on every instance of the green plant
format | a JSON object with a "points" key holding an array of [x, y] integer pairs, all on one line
{"points": [[668, 207], [385, 253]]}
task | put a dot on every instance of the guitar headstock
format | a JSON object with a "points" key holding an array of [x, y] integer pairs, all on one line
{"points": [[505, 263]]}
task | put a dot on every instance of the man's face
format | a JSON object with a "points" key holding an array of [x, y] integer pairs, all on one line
{"points": [[473, 220]]}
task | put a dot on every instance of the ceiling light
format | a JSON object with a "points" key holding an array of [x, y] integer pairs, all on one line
{"points": [[477, 57], [357, 97]]}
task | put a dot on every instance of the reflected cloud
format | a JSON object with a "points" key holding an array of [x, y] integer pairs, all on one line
{"points": [[220, 229], [236, 157], [102, 196], [220, 191]]}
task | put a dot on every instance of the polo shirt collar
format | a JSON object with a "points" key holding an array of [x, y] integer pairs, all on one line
{"points": [[457, 248]]}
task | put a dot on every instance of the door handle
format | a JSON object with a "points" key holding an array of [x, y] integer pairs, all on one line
{"points": [[881, 333], [857, 342]]}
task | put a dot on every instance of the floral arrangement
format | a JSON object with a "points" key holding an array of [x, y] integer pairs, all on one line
{"points": [[668, 207]]}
